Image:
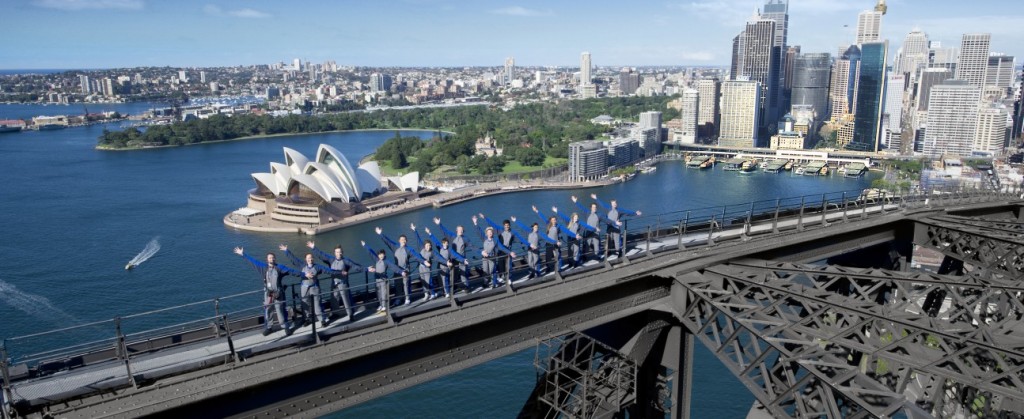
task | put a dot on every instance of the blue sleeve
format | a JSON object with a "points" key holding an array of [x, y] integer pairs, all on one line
{"points": [[259, 264], [437, 243], [583, 210], [565, 218], [521, 239], [437, 255], [418, 237], [543, 219], [493, 224], [624, 211], [391, 244], [323, 268], [547, 238], [587, 227], [567, 232], [393, 266], [446, 231], [321, 254], [479, 231], [295, 259], [497, 243], [353, 263], [414, 254], [288, 270], [524, 228], [602, 204], [373, 254], [456, 255]]}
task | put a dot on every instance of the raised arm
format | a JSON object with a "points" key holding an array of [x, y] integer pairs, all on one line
{"points": [[291, 256], [373, 254], [479, 230], [600, 202], [520, 239], [417, 233], [415, 254], [391, 244], [259, 264], [450, 234], [565, 218], [583, 210], [492, 223], [521, 226], [437, 242], [586, 226], [456, 255], [322, 255], [543, 219]]}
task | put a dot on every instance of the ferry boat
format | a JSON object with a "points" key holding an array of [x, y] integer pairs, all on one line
{"points": [[799, 170], [51, 127], [734, 164], [855, 170], [748, 166], [5, 128], [649, 169]]}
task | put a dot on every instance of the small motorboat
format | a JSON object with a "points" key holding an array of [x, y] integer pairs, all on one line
{"points": [[129, 267]]}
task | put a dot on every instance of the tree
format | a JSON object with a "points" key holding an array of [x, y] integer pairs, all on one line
{"points": [[529, 156]]}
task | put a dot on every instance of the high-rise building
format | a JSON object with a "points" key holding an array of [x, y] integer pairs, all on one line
{"points": [[1018, 114], [83, 80], [915, 53], [778, 12], [789, 67], [1000, 71], [929, 78], [585, 67], [843, 83], [629, 81], [952, 118], [990, 136], [939, 57], [380, 82], [510, 71], [202, 77], [708, 92], [869, 26], [587, 160], [973, 63], [688, 114], [740, 112], [651, 120], [108, 87], [183, 76], [759, 59], [894, 88], [297, 64], [811, 75], [870, 99]]}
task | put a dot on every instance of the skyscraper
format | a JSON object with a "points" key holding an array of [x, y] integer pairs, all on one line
{"points": [[740, 112], [708, 92], [952, 118], [895, 83], [757, 57], [688, 115], [778, 12], [83, 80], [915, 53], [629, 81], [869, 26], [867, 123], [585, 67], [811, 73], [929, 78], [1000, 71], [843, 84], [990, 136], [973, 63], [510, 71]]}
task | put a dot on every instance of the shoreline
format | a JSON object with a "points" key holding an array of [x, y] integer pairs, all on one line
{"points": [[436, 201], [257, 137]]}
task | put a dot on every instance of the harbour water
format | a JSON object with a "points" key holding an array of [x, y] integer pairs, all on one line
{"points": [[75, 216]]}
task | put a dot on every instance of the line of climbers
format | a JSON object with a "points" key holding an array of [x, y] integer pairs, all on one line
{"points": [[445, 258]]}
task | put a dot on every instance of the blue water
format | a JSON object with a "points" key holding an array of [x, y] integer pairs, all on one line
{"points": [[75, 216]]}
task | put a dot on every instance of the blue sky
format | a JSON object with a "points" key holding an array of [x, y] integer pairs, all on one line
{"points": [[126, 33]]}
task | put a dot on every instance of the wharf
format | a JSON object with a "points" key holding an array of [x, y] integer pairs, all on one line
{"points": [[814, 168], [855, 170], [734, 163], [698, 161], [775, 166]]}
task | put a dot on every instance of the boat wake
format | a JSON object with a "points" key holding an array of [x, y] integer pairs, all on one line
{"points": [[34, 305], [151, 248]]}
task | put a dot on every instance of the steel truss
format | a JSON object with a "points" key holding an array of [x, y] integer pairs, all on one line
{"points": [[835, 341], [992, 246], [583, 378]]}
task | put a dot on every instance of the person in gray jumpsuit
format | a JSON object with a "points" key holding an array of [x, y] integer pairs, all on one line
{"points": [[340, 268], [272, 274]]}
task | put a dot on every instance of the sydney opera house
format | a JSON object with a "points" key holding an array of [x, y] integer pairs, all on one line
{"points": [[320, 191]]}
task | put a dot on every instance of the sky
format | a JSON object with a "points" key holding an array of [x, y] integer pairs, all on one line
{"points": [[85, 34]]}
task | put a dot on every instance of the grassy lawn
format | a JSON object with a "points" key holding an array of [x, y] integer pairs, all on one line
{"points": [[514, 166]]}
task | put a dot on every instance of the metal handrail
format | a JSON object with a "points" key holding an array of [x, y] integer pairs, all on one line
{"points": [[700, 221]]}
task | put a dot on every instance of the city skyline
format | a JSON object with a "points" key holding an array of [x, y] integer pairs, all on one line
{"points": [[441, 33]]}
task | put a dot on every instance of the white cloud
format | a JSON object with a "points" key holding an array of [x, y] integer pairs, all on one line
{"points": [[520, 11], [245, 13], [72, 5]]}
